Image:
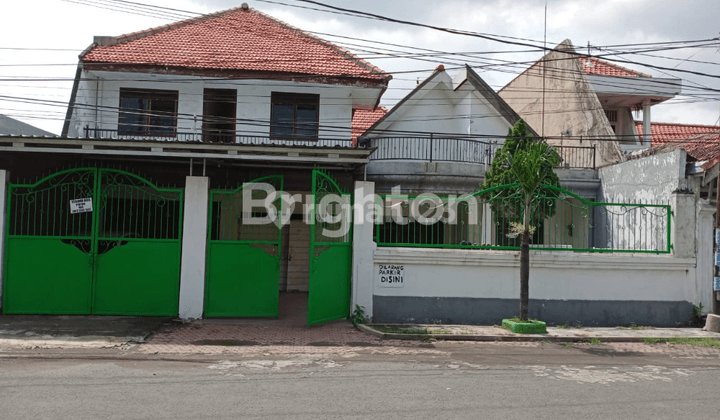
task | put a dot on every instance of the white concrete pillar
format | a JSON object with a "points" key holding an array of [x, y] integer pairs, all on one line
{"points": [[363, 277], [646, 123], [4, 177], [487, 225], [194, 243], [705, 265], [683, 224]]}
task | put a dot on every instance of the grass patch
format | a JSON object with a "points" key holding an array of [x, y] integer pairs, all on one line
{"points": [[695, 341], [530, 326], [595, 340], [563, 327]]}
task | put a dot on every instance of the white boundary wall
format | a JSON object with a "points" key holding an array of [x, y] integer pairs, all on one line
{"points": [[482, 287]]}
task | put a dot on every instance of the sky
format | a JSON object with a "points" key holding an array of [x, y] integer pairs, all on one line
{"points": [[41, 41]]}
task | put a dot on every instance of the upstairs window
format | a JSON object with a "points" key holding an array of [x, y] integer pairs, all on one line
{"points": [[294, 116], [147, 112]]}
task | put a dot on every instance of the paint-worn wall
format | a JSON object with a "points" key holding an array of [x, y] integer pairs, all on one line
{"points": [[481, 287], [570, 106], [649, 179]]}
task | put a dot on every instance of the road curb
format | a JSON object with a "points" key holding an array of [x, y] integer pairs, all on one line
{"points": [[511, 338]]}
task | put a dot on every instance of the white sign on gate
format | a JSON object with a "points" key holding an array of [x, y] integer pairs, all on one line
{"points": [[81, 205], [392, 275]]}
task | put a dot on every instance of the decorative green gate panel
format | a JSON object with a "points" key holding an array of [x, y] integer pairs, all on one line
{"points": [[93, 241], [330, 251], [49, 250], [138, 247], [243, 265]]}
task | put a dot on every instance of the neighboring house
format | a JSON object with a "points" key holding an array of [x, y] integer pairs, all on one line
{"points": [[608, 262], [575, 99], [439, 138], [203, 105], [12, 127]]}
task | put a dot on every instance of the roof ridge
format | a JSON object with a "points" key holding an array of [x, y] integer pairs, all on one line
{"points": [[617, 66], [342, 51]]}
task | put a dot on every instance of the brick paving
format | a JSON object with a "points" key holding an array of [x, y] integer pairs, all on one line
{"points": [[334, 338]]}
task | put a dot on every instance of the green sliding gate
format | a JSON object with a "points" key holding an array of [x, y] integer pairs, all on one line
{"points": [[92, 241], [330, 251], [243, 264]]}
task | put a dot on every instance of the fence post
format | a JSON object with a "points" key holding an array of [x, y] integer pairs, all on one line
{"points": [[431, 147]]}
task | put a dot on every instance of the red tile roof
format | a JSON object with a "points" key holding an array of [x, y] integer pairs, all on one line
{"points": [[235, 39], [363, 119], [661, 133], [593, 65], [701, 148]]}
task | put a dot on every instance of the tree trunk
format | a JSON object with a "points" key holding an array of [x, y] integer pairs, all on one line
{"points": [[525, 264], [525, 274]]}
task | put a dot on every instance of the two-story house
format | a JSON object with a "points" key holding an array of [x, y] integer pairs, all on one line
{"points": [[137, 209]]}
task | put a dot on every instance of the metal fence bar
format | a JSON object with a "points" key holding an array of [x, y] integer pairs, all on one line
{"points": [[562, 221], [466, 150]]}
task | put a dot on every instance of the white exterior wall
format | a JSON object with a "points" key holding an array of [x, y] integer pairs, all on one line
{"points": [[253, 106], [444, 112], [482, 287], [553, 275]]}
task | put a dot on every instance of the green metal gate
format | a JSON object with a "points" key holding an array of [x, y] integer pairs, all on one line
{"points": [[330, 251], [93, 241], [243, 264]]}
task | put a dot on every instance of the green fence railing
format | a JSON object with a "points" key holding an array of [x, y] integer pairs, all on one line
{"points": [[491, 219]]}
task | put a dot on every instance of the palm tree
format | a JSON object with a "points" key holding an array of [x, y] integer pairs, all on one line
{"points": [[528, 163]]}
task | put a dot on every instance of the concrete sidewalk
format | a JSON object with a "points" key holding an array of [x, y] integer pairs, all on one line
{"points": [[62, 331], [556, 334]]}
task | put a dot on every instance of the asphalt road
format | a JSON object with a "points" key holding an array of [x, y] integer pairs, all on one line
{"points": [[442, 381]]}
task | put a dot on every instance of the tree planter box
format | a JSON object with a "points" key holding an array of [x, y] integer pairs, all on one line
{"points": [[530, 327]]}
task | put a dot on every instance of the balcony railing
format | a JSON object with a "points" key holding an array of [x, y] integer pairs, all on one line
{"points": [[465, 150], [434, 149], [223, 138]]}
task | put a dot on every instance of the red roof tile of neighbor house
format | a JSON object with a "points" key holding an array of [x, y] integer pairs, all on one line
{"points": [[363, 119], [661, 133], [701, 148], [235, 39], [593, 65]]}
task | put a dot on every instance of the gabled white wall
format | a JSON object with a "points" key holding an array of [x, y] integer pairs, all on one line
{"points": [[440, 109]]}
